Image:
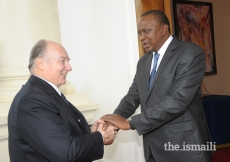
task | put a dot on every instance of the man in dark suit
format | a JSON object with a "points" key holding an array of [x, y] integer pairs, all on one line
{"points": [[43, 125], [166, 85]]}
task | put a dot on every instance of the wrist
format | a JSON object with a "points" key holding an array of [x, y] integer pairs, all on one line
{"points": [[102, 134], [130, 122]]}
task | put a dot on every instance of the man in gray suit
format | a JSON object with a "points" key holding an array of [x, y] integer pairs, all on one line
{"points": [[166, 85]]}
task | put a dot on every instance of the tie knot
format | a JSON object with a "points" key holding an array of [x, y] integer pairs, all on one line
{"points": [[157, 55], [64, 98]]}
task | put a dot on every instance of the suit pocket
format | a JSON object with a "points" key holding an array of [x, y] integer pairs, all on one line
{"points": [[181, 127]]}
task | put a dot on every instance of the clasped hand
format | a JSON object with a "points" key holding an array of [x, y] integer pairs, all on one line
{"points": [[108, 125], [108, 134]]}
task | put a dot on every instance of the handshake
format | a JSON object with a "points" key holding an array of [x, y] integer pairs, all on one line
{"points": [[109, 125]]}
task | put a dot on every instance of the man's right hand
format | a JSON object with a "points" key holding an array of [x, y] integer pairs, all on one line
{"points": [[109, 134]]}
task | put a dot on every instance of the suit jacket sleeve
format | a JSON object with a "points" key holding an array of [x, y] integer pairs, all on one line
{"points": [[186, 81], [41, 126]]}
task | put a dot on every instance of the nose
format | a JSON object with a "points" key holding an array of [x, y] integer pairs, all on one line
{"points": [[68, 67], [142, 37]]}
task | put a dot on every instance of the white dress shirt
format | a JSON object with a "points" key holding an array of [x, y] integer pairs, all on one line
{"points": [[161, 53], [54, 86]]}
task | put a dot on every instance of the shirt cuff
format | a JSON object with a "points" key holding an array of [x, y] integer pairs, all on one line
{"points": [[102, 136]]}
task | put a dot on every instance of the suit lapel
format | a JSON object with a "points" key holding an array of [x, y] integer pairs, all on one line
{"points": [[76, 116], [147, 69], [168, 54], [55, 97], [82, 121]]}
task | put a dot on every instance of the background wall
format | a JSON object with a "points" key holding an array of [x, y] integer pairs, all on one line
{"points": [[23, 23], [219, 84], [101, 39]]}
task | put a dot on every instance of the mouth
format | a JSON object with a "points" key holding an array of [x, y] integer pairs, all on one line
{"points": [[64, 74], [146, 45]]}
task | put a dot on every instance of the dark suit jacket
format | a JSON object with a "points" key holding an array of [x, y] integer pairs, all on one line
{"points": [[42, 127], [172, 110]]}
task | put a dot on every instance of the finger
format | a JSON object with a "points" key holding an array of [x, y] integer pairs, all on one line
{"points": [[111, 142], [106, 125], [99, 121], [100, 126], [115, 128], [95, 125], [108, 142], [92, 128], [109, 119]]}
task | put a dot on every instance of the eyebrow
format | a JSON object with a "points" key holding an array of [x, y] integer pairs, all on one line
{"points": [[65, 57]]}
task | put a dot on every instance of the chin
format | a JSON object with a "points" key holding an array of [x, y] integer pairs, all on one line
{"points": [[149, 50], [64, 82]]}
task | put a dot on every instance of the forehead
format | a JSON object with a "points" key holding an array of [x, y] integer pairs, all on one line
{"points": [[56, 50], [147, 21]]}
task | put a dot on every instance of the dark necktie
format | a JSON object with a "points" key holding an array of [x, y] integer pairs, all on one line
{"points": [[64, 98], [153, 72]]}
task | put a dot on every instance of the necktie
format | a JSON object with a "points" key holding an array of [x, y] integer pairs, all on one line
{"points": [[64, 98], [153, 72]]}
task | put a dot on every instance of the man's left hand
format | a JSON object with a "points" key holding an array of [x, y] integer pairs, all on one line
{"points": [[117, 120]]}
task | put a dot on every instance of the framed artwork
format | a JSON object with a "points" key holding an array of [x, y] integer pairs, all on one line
{"points": [[194, 23]]}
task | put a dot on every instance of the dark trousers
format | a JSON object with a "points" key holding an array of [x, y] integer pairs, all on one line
{"points": [[151, 159]]}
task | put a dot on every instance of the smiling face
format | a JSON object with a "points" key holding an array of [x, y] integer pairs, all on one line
{"points": [[151, 33], [55, 64]]}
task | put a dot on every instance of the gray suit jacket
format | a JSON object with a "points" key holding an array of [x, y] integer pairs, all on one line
{"points": [[171, 111]]}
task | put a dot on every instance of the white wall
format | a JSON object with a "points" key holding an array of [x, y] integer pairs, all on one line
{"points": [[22, 24], [101, 39]]}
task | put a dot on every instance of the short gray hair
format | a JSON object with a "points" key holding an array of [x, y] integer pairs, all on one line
{"points": [[37, 52]]}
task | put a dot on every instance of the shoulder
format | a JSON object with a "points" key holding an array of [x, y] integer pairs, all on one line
{"points": [[32, 97], [188, 46], [144, 57]]}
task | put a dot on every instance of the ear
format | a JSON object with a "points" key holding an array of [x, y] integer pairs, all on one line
{"points": [[40, 63], [164, 29]]}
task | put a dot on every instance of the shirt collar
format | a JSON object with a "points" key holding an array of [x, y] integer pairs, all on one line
{"points": [[165, 45], [54, 86]]}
